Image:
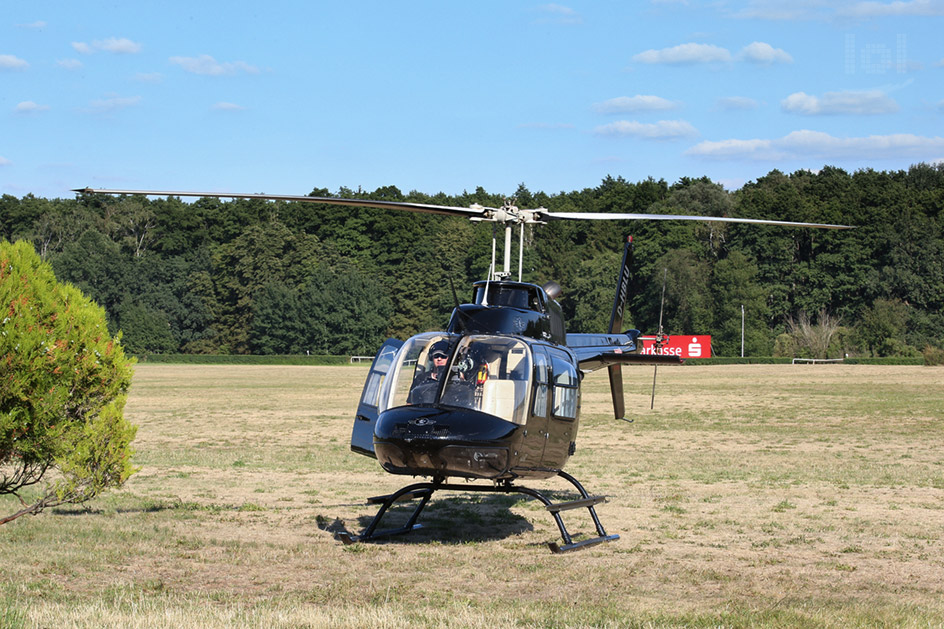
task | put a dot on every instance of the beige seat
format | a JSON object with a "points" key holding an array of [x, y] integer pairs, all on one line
{"points": [[498, 398]]}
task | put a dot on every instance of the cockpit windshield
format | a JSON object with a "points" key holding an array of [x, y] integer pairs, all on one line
{"points": [[490, 374], [418, 369], [486, 373]]}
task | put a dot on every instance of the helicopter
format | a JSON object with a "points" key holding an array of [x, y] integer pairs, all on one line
{"points": [[496, 395]]}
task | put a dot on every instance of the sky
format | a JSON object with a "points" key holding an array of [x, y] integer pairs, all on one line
{"points": [[449, 95]]}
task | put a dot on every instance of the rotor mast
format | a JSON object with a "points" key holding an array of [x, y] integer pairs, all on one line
{"points": [[509, 215], [507, 269]]}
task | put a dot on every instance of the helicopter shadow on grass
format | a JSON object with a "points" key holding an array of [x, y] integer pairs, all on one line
{"points": [[458, 519]]}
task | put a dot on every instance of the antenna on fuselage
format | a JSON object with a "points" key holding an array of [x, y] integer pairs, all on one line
{"points": [[520, 249], [660, 340]]}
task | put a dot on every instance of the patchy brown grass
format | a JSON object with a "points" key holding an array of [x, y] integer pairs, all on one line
{"points": [[753, 495]]}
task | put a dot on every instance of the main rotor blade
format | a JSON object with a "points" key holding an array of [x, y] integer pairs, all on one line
{"points": [[603, 216], [467, 212], [474, 212]]}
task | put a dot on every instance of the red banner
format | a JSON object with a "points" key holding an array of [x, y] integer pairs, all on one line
{"points": [[683, 345]]}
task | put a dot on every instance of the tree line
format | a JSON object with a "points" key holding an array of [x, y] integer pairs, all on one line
{"points": [[250, 276]]}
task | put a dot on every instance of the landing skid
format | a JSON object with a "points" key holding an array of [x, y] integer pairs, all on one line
{"points": [[424, 491]]}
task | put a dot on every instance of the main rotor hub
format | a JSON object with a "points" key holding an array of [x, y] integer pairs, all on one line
{"points": [[509, 214]]}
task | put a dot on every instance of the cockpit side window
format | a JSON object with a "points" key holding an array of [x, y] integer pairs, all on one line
{"points": [[565, 385], [378, 371], [541, 382]]}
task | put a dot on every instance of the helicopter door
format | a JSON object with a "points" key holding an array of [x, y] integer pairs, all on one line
{"points": [[535, 438], [362, 436], [565, 406]]}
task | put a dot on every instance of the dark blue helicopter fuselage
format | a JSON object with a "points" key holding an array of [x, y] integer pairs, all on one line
{"points": [[507, 406], [443, 441]]}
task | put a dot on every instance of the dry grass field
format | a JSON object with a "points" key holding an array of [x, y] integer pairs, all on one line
{"points": [[769, 496]]}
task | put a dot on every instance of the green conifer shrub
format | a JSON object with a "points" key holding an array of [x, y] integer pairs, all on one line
{"points": [[63, 385]]}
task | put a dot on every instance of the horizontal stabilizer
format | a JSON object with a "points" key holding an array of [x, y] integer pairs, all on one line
{"points": [[603, 359]]}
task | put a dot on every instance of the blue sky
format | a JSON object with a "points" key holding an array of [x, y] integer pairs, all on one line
{"points": [[283, 97]]}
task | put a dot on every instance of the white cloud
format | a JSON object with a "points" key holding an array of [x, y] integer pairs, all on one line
{"points": [[764, 54], [560, 14], [662, 130], [29, 107], [624, 104], [112, 103], [69, 64], [9, 62], [118, 45], [860, 103], [736, 149], [940, 105], [4, 161], [223, 106], [115, 45], [816, 144], [732, 183], [208, 66], [148, 77], [737, 103], [760, 53], [925, 8], [36, 24], [685, 54]]}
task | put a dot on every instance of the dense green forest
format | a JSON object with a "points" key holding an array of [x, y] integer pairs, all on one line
{"points": [[249, 276]]}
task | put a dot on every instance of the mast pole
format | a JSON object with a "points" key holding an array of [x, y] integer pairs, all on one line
{"points": [[507, 268]]}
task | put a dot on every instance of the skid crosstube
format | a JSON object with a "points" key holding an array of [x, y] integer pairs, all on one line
{"points": [[424, 491]]}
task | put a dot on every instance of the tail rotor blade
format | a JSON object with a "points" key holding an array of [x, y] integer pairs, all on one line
{"points": [[616, 392], [623, 282]]}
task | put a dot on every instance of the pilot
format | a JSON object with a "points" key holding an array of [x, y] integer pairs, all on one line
{"points": [[439, 353], [427, 383]]}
